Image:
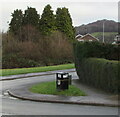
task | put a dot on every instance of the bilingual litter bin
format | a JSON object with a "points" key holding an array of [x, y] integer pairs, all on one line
{"points": [[63, 80]]}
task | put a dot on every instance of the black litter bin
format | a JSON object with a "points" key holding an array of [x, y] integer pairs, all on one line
{"points": [[62, 80]]}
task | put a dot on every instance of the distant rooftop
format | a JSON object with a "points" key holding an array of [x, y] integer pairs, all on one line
{"points": [[87, 37], [79, 36]]}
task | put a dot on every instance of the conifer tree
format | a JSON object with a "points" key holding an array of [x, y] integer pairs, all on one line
{"points": [[47, 21], [16, 21], [31, 17], [64, 22]]}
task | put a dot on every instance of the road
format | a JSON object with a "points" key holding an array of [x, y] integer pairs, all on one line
{"points": [[13, 106]]}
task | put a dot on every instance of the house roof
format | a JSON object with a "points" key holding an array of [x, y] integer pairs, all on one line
{"points": [[117, 37], [88, 37], [79, 36]]}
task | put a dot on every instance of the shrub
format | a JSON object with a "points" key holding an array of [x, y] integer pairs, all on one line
{"points": [[100, 73], [52, 50], [96, 49], [14, 61]]}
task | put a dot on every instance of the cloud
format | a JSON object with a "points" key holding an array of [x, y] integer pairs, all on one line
{"points": [[89, 12], [81, 12]]}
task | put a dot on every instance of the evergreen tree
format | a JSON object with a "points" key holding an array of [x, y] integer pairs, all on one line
{"points": [[31, 17], [47, 21], [64, 22], [16, 21]]}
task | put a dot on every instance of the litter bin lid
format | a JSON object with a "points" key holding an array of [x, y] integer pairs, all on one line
{"points": [[63, 74]]}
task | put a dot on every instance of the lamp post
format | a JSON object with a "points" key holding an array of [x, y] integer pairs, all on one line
{"points": [[103, 32]]}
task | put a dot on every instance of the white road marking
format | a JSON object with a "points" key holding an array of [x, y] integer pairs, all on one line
{"points": [[13, 98], [5, 93]]}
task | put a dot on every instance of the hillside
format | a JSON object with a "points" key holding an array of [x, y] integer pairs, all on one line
{"points": [[110, 26], [108, 36]]}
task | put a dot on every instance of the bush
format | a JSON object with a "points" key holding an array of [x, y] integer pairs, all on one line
{"points": [[52, 50], [100, 73], [96, 49], [14, 61], [93, 68]]}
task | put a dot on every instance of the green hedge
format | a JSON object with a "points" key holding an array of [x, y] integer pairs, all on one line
{"points": [[100, 73], [96, 49], [93, 68]]}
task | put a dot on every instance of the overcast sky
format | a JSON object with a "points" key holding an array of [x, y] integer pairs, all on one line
{"points": [[82, 11]]}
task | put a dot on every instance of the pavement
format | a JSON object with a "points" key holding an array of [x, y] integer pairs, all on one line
{"points": [[94, 96], [13, 77]]}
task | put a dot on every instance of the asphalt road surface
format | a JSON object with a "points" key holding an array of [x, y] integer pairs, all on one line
{"points": [[14, 106]]}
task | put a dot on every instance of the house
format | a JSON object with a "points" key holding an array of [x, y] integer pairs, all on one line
{"points": [[117, 39], [79, 36], [87, 37]]}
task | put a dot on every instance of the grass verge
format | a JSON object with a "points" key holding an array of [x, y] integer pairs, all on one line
{"points": [[7, 72], [50, 88]]}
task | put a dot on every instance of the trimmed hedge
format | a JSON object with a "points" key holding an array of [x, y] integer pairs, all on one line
{"points": [[93, 68], [96, 49], [100, 73]]}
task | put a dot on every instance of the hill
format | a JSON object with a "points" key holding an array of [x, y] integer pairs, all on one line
{"points": [[108, 36], [109, 26]]}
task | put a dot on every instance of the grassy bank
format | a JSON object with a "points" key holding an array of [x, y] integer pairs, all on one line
{"points": [[6, 72], [50, 88], [109, 36]]}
